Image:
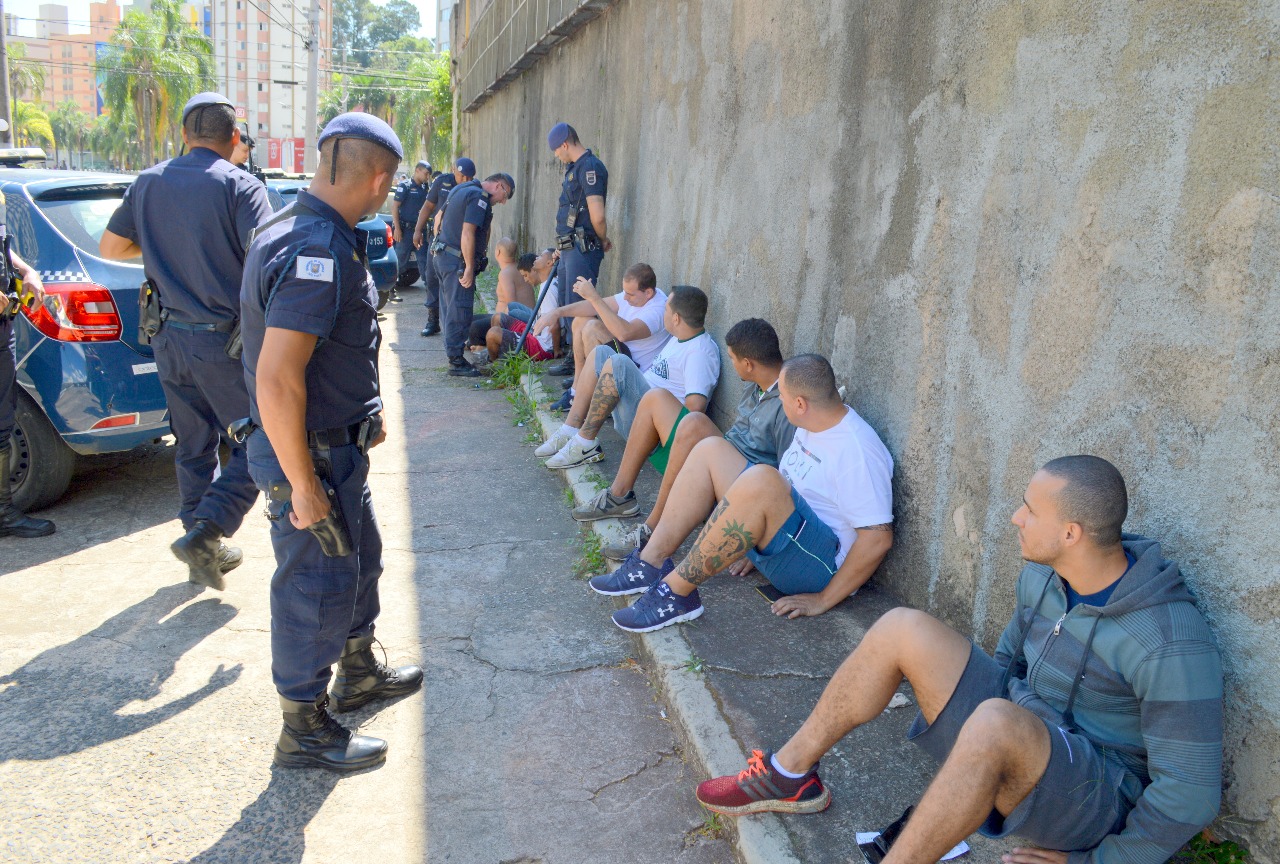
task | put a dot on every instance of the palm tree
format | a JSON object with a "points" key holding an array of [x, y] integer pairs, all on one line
{"points": [[153, 64], [26, 77], [69, 126], [114, 139], [30, 125]]}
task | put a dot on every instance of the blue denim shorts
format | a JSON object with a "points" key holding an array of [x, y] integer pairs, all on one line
{"points": [[1082, 796], [801, 557]]}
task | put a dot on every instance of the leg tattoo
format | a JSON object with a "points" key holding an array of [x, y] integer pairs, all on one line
{"points": [[603, 400], [710, 553]]}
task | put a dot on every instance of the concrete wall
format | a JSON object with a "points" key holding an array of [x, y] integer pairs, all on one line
{"points": [[1019, 229]]}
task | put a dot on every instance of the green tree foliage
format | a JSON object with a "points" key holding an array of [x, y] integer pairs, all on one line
{"points": [[156, 62], [360, 27], [70, 128], [114, 138], [26, 77], [30, 125]]}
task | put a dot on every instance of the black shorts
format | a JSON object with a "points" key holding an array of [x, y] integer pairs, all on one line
{"points": [[1082, 796]]}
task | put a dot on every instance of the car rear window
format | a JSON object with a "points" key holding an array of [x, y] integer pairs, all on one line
{"points": [[83, 219]]}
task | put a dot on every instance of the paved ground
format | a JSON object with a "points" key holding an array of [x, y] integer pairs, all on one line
{"points": [[137, 712]]}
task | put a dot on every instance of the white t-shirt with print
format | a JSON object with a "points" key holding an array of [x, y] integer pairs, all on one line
{"points": [[845, 474], [644, 350], [684, 368]]}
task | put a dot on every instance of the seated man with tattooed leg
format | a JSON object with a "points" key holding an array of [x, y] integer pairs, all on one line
{"points": [[817, 526]]}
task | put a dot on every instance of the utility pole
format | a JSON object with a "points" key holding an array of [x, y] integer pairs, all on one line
{"points": [[311, 158], [6, 137], [344, 76]]}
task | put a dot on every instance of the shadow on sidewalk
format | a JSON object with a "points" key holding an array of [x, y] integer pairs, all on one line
{"points": [[71, 698], [272, 830]]}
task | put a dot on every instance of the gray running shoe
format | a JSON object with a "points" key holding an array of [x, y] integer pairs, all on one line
{"points": [[605, 506], [635, 540]]}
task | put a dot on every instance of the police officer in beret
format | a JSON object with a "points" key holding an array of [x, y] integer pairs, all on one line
{"points": [[198, 195], [461, 254], [406, 204], [463, 170], [582, 234], [13, 522], [311, 359]]}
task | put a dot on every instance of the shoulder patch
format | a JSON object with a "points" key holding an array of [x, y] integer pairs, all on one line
{"points": [[484, 205], [591, 178], [318, 269]]}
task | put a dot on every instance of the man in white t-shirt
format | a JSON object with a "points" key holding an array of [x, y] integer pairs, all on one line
{"points": [[688, 366], [817, 526], [630, 322]]}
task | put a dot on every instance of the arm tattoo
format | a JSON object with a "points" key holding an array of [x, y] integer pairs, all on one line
{"points": [[603, 400], [710, 555], [883, 526]]}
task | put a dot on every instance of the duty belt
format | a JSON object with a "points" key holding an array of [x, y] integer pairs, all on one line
{"points": [[360, 434], [221, 327], [440, 246]]}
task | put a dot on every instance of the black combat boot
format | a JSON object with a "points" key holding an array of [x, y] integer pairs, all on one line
{"points": [[361, 678], [311, 738], [433, 323], [202, 550], [13, 522]]}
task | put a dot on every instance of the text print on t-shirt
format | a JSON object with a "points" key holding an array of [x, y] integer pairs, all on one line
{"points": [[660, 369], [799, 462]]}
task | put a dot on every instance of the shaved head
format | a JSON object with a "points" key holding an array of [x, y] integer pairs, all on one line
{"points": [[359, 160]]}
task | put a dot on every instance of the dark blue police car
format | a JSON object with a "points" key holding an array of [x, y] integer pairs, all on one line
{"points": [[87, 385]]}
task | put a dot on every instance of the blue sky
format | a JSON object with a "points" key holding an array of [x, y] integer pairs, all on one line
{"points": [[78, 12]]}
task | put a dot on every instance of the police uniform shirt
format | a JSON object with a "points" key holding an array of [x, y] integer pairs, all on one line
{"points": [[411, 197], [582, 179], [192, 216], [307, 273], [440, 188], [468, 204]]}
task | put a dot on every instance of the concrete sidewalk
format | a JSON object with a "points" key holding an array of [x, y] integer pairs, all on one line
{"points": [[138, 717], [740, 678]]}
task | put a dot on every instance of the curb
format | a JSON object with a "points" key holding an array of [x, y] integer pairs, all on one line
{"points": [[762, 838]]}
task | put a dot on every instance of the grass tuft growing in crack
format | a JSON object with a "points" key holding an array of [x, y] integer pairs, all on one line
{"points": [[591, 560], [695, 664], [508, 370], [596, 479], [712, 828], [1205, 849]]}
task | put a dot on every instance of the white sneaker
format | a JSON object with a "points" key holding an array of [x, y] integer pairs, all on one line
{"points": [[552, 445], [573, 454]]}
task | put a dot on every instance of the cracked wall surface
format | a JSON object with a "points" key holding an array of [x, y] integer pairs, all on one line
{"points": [[1019, 230]]}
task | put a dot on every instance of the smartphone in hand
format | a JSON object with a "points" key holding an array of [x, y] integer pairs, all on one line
{"points": [[769, 593]]}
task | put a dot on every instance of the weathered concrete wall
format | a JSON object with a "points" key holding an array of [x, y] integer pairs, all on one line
{"points": [[1019, 229]]}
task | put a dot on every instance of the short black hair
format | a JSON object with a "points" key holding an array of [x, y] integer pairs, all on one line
{"points": [[570, 134], [642, 275], [755, 339], [1094, 496], [358, 159], [690, 304], [525, 262], [811, 376], [211, 123]]}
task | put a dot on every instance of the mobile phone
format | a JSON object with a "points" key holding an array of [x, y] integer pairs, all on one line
{"points": [[770, 593]]}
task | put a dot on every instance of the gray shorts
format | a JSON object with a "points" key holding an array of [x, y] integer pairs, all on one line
{"points": [[1082, 796], [631, 386]]}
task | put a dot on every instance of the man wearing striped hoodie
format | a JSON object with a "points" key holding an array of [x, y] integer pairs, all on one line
{"points": [[1095, 733]]}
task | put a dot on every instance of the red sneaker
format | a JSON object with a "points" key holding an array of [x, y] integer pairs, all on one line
{"points": [[759, 788]]}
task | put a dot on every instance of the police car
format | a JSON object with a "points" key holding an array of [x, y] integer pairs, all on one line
{"points": [[87, 385], [379, 248]]}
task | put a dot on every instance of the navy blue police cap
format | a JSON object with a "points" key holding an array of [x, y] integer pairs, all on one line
{"points": [[204, 100], [422, 163], [466, 166], [357, 124], [558, 135], [509, 180]]}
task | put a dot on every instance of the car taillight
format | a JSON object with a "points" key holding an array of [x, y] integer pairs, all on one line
{"points": [[391, 236], [76, 312]]}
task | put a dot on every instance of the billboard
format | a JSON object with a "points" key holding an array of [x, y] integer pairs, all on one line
{"points": [[285, 153]]}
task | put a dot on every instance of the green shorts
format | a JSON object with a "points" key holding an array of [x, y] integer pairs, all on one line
{"points": [[658, 458]]}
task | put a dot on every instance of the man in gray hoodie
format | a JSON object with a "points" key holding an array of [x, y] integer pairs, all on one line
{"points": [[1095, 733]]}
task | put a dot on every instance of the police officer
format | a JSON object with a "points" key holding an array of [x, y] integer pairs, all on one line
{"points": [[406, 204], [13, 522], [581, 232], [463, 170], [461, 254], [311, 358], [198, 195]]}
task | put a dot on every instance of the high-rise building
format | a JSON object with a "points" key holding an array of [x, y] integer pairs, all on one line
{"points": [[444, 15], [69, 59]]}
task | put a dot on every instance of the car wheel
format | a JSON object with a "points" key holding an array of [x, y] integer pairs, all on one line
{"points": [[407, 278], [384, 294], [42, 464]]}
